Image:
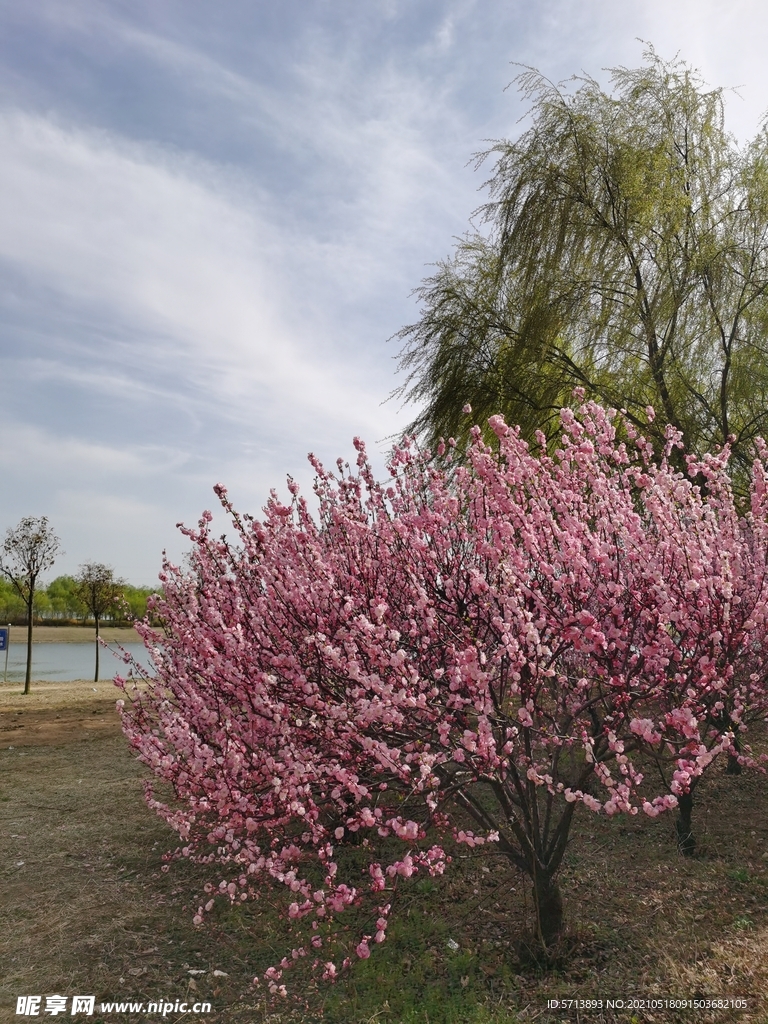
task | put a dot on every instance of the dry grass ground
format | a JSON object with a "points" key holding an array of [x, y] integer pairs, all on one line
{"points": [[88, 911], [73, 634]]}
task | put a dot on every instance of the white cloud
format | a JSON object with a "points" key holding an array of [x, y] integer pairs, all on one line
{"points": [[50, 456], [190, 265]]}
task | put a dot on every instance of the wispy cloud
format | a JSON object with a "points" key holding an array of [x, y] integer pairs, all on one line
{"points": [[186, 266]]}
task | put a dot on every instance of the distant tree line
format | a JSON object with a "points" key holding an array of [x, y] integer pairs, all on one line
{"points": [[59, 604]]}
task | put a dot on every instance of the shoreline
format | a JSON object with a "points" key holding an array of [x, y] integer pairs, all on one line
{"points": [[74, 634]]}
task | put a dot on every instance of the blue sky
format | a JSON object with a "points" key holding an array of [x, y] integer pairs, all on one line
{"points": [[212, 216]]}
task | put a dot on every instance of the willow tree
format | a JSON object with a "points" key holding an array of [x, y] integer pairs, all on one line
{"points": [[623, 249]]}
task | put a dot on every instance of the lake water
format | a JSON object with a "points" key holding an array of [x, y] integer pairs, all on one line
{"points": [[64, 662]]}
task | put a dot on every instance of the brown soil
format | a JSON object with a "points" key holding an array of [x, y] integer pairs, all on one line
{"points": [[56, 713], [85, 906]]}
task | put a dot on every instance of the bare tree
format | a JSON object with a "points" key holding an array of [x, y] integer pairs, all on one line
{"points": [[28, 550], [101, 592]]}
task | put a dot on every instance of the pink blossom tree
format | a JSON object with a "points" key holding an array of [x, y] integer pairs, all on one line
{"points": [[702, 604], [467, 653]]}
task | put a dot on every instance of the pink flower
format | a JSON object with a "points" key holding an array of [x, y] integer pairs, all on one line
{"points": [[644, 728], [405, 867]]}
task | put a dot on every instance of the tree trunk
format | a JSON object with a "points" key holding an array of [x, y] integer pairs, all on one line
{"points": [[733, 767], [549, 908], [28, 675], [686, 843], [96, 676]]}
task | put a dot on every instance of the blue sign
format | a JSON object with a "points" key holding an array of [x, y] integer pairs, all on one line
{"points": [[4, 639]]}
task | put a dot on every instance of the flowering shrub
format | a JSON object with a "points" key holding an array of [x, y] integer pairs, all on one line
{"points": [[702, 606], [466, 654]]}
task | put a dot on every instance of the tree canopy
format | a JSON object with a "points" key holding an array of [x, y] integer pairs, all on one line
{"points": [[624, 250]]}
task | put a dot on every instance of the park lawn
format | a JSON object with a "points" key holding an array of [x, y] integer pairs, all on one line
{"points": [[88, 910]]}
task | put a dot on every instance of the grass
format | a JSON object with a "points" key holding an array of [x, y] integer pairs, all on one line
{"points": [[88, 910]]}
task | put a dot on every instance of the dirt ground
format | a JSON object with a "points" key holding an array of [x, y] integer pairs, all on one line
{"points": [[86, 907], [56, 713]]}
